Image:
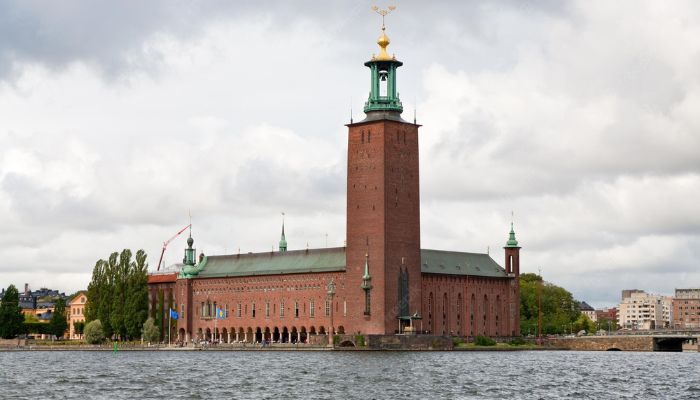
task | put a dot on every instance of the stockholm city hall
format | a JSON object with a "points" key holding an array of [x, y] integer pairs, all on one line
{"points": [[381, 283]]}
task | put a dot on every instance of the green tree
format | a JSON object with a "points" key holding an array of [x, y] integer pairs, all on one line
{"points": [[559, 309], [93, 332], [136, 310], [59, 323], [79, 327], [160, 314], [118, 294], [150, 331], [607, 324], [11, 318], [583, 323]]}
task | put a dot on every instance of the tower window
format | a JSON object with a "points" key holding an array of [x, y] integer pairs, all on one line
{"points": [[363, 136], [369, 137]]}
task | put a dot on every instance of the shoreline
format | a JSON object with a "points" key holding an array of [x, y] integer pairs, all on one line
{"points": [[258, 348]]}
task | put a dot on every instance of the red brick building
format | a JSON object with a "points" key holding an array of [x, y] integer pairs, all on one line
{"points": [[686, 309], [382, 282]]}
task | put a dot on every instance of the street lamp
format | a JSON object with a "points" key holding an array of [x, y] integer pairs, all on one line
{"points": [[331, 294]]}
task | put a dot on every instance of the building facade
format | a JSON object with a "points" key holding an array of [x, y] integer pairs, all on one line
{"points": [[588, 311], [686, 309], [381, 282], [76, 313], [644, 311]]}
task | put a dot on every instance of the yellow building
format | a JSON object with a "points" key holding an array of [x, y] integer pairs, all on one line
{"points": [[76, 313]]}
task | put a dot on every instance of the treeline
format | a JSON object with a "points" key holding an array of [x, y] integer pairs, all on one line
{"points": [[560, 311], [117, 295]]}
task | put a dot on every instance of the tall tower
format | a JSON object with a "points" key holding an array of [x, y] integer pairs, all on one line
{"points": [[512, 266], [383, 207]]}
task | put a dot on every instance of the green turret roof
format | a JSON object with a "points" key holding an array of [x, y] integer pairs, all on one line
{"points": [[511, 238], [283, 240], [366, 276]]}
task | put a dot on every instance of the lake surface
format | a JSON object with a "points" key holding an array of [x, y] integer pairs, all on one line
{"points": [[348, 375]]}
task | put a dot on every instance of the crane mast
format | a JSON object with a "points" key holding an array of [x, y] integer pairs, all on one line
{"points": [[165, 244]]}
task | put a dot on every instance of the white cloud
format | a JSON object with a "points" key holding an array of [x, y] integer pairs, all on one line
{"points": [[580, 116]]}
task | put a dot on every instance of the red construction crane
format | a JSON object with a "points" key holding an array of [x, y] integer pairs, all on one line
{"points": [[165, 244]]}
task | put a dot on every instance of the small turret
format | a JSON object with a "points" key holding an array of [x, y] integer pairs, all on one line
{"points": [[511, 238], [283, 239], [367, 285], [512, 250], [189, 269]]}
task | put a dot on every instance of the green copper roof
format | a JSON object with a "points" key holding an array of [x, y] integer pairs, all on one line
{"points": [[511, 238], [334, 259], [366, 276], [288, 262], [283, 240], [459, 263]]}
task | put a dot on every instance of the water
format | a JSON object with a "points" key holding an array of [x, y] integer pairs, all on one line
{"points": [[348, 375]]}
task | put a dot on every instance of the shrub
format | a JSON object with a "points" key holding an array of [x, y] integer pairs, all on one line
{"points": [[517, 342], [93, 332], [151, 333], [336, 340], [484, 341], [360, 341], [456, 341]]}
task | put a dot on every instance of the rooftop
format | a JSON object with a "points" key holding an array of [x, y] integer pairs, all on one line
{"points": [[333, 260]]}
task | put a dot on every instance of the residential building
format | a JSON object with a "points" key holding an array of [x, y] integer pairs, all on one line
{"points": [[644, 311], [686, 309], [76, 313]]}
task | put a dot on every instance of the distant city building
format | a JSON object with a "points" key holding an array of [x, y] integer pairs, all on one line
{"points": [[76, 313], [686, 309], [588, 311], [609, 314], [39, 299], [643, 311], [627, 293]]}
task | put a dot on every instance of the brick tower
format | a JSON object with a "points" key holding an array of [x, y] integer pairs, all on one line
{"points": [[383, 208], [512, 266]]}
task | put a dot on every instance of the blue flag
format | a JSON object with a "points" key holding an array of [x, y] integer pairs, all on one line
{"points": [[220, 313], [173, 314]]}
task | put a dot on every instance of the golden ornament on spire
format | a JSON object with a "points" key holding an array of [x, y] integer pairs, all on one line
{"points": [[383, 40]]}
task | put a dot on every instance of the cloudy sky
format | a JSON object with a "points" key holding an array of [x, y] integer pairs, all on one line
{"points": [[118, 118]]}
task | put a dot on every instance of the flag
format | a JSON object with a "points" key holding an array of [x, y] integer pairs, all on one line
{"points": [[219, 313], [173, 314]]}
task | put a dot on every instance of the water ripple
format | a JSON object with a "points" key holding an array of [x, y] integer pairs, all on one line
{"points": [[348, 375]]}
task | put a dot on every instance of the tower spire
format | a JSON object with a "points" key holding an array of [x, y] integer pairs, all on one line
{"points": [[283, 239], [512, 242]]}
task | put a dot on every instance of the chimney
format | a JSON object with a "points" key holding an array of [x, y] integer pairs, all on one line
{"points": [[26, 288]]}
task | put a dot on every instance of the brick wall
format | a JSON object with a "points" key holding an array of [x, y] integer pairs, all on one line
{"points": [[383, 219]]}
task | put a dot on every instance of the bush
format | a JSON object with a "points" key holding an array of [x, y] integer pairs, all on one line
{"points": [[336, 340], [93, 332], [151, 333], [456, 341], [484, 341], [359, 341], [517, 342]]}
